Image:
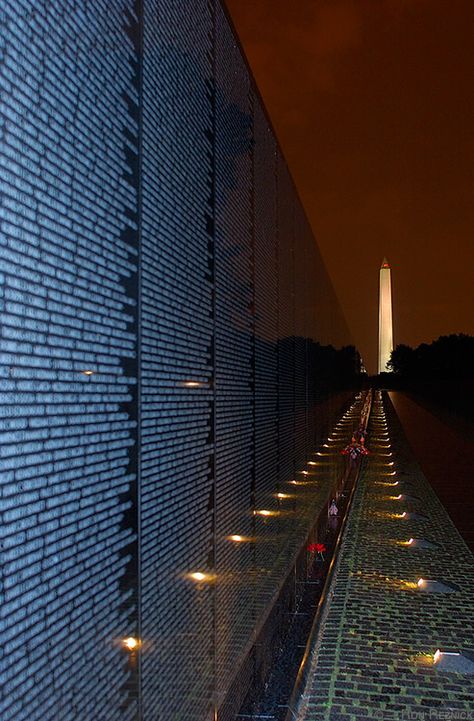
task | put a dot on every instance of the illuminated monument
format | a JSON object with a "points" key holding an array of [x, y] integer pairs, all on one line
{"points": [[385, 317]]}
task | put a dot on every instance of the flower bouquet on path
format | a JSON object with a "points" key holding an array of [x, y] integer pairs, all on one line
{"points": [[317, 548], [355, 450]]}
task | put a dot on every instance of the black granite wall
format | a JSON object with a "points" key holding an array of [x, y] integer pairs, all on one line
{"points": [[162, 298]]}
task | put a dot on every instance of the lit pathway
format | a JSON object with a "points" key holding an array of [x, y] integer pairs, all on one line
{"points": [[373, 658]]}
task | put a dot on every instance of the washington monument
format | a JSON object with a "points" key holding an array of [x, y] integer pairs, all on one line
{"points": [[385, 317]]}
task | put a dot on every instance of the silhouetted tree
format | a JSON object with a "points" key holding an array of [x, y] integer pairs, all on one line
{"points": [[402, 360], [449, 357]]}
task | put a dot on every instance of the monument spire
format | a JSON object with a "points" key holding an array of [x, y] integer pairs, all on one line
{"points": [[385, 316]]}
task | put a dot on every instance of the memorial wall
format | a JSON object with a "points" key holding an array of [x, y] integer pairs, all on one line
{"points": [[167, 361]]}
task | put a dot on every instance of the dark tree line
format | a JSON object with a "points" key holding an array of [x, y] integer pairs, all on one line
{"points": [[442, 371], [451, 357]]}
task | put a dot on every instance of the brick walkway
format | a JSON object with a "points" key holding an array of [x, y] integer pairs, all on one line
{"points": [[374, 656]]}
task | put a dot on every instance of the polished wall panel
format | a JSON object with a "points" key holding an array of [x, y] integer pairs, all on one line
{"points": [[166, 336], [234, 352], [68, 413], [268, 548], [176, 342]]}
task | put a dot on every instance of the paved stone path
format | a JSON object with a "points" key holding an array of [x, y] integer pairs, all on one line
{"points": [[374, 656]]}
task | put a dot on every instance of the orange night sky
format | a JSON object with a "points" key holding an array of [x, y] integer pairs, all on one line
{"points": [[372, 101]]}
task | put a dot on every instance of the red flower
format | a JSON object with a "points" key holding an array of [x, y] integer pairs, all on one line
{"points": [[316, 548]]}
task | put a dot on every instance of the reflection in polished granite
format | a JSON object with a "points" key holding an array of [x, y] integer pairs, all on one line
{"points": [[172, 352]]}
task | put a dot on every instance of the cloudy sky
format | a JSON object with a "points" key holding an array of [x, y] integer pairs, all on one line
{"points": [[373, 104]]}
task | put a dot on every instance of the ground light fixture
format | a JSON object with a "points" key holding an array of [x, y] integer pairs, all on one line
{"points": [[430, 585], [200, 577], [419, 543], [236, 538], [453, 661], [405, 543]]}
